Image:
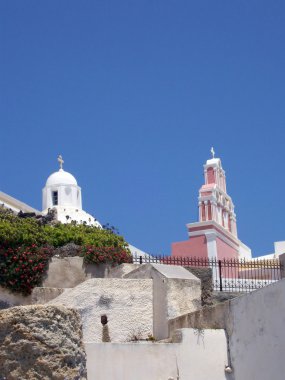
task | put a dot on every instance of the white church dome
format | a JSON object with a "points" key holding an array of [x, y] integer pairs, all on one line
{"points": [[61, 178]]}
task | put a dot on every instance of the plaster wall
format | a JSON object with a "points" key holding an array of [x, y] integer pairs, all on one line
{"points": [[255, 327], [160, 319], [175, 292], [74, 214], [225, 251], [244, 251], [257, 339], [127, 303], [279, 247], [210, 175], [195, 246], [68, 195], [199, 356]]}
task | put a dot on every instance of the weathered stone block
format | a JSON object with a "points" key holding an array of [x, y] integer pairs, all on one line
{"points": [[41, 342]]}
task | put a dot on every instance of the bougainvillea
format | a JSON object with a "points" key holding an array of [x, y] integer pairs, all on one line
{"points": [[22, 268], [24, 256], [105, 255]]}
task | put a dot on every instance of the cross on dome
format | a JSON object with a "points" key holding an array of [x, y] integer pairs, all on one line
{"points": [[60, 160], [213, 152]]}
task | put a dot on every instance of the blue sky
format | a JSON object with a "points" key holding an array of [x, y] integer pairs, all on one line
{"points": [[133, 94]]}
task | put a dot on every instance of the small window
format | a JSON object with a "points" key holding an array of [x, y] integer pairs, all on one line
{"points": [[55, 198]]}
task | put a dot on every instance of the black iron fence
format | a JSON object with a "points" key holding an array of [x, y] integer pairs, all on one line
{"points": [[230, 275]]}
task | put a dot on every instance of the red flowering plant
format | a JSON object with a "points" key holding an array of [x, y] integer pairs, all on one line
{"points": [[106, 255], [22, 268]]}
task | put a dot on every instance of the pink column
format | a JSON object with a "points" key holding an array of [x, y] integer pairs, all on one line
{"points": [[203, 212], [210, 217]]}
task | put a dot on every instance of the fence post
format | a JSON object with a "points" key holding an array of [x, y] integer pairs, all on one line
{"points": [[220, 275], [140, 259], [282, 265]]}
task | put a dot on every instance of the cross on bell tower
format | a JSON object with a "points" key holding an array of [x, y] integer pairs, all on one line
{"points": [[60, 160]]}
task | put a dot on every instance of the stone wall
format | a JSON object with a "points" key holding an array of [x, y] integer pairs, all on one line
{"points": [[41, 342], [67, 272], [127, 304], [120, 271], [206, 277], [44, 295], [39, 296], [218, 297], [9, 299], [63, 273]]}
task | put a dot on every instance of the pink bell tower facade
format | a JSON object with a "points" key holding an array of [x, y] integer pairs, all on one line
{"points": [[215, 234]]}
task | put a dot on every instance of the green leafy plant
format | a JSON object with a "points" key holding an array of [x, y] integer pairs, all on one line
{"points": [[150, 338], [15, 231], [61, 234]]}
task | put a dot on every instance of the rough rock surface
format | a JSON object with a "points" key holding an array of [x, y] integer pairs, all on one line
{"points": [[219, 297], [68, 250], [206, 277], [41, 342]]}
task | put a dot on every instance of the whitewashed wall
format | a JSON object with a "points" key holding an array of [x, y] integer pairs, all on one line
{"points": [[176, 291], [127, 303], [257, 338], [202, 355]]}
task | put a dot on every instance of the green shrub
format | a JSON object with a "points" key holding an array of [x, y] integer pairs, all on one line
{"points": [[22, 268], [108, 255], [61, 234], [15, 231]]}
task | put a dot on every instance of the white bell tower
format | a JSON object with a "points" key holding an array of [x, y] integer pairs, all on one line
{"points": [[63, 193]]}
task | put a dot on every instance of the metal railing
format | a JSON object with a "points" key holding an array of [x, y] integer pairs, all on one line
{"points": [[230, 275]]}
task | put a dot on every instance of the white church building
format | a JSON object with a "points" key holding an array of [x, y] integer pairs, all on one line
{"points": [[61, 193]]}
